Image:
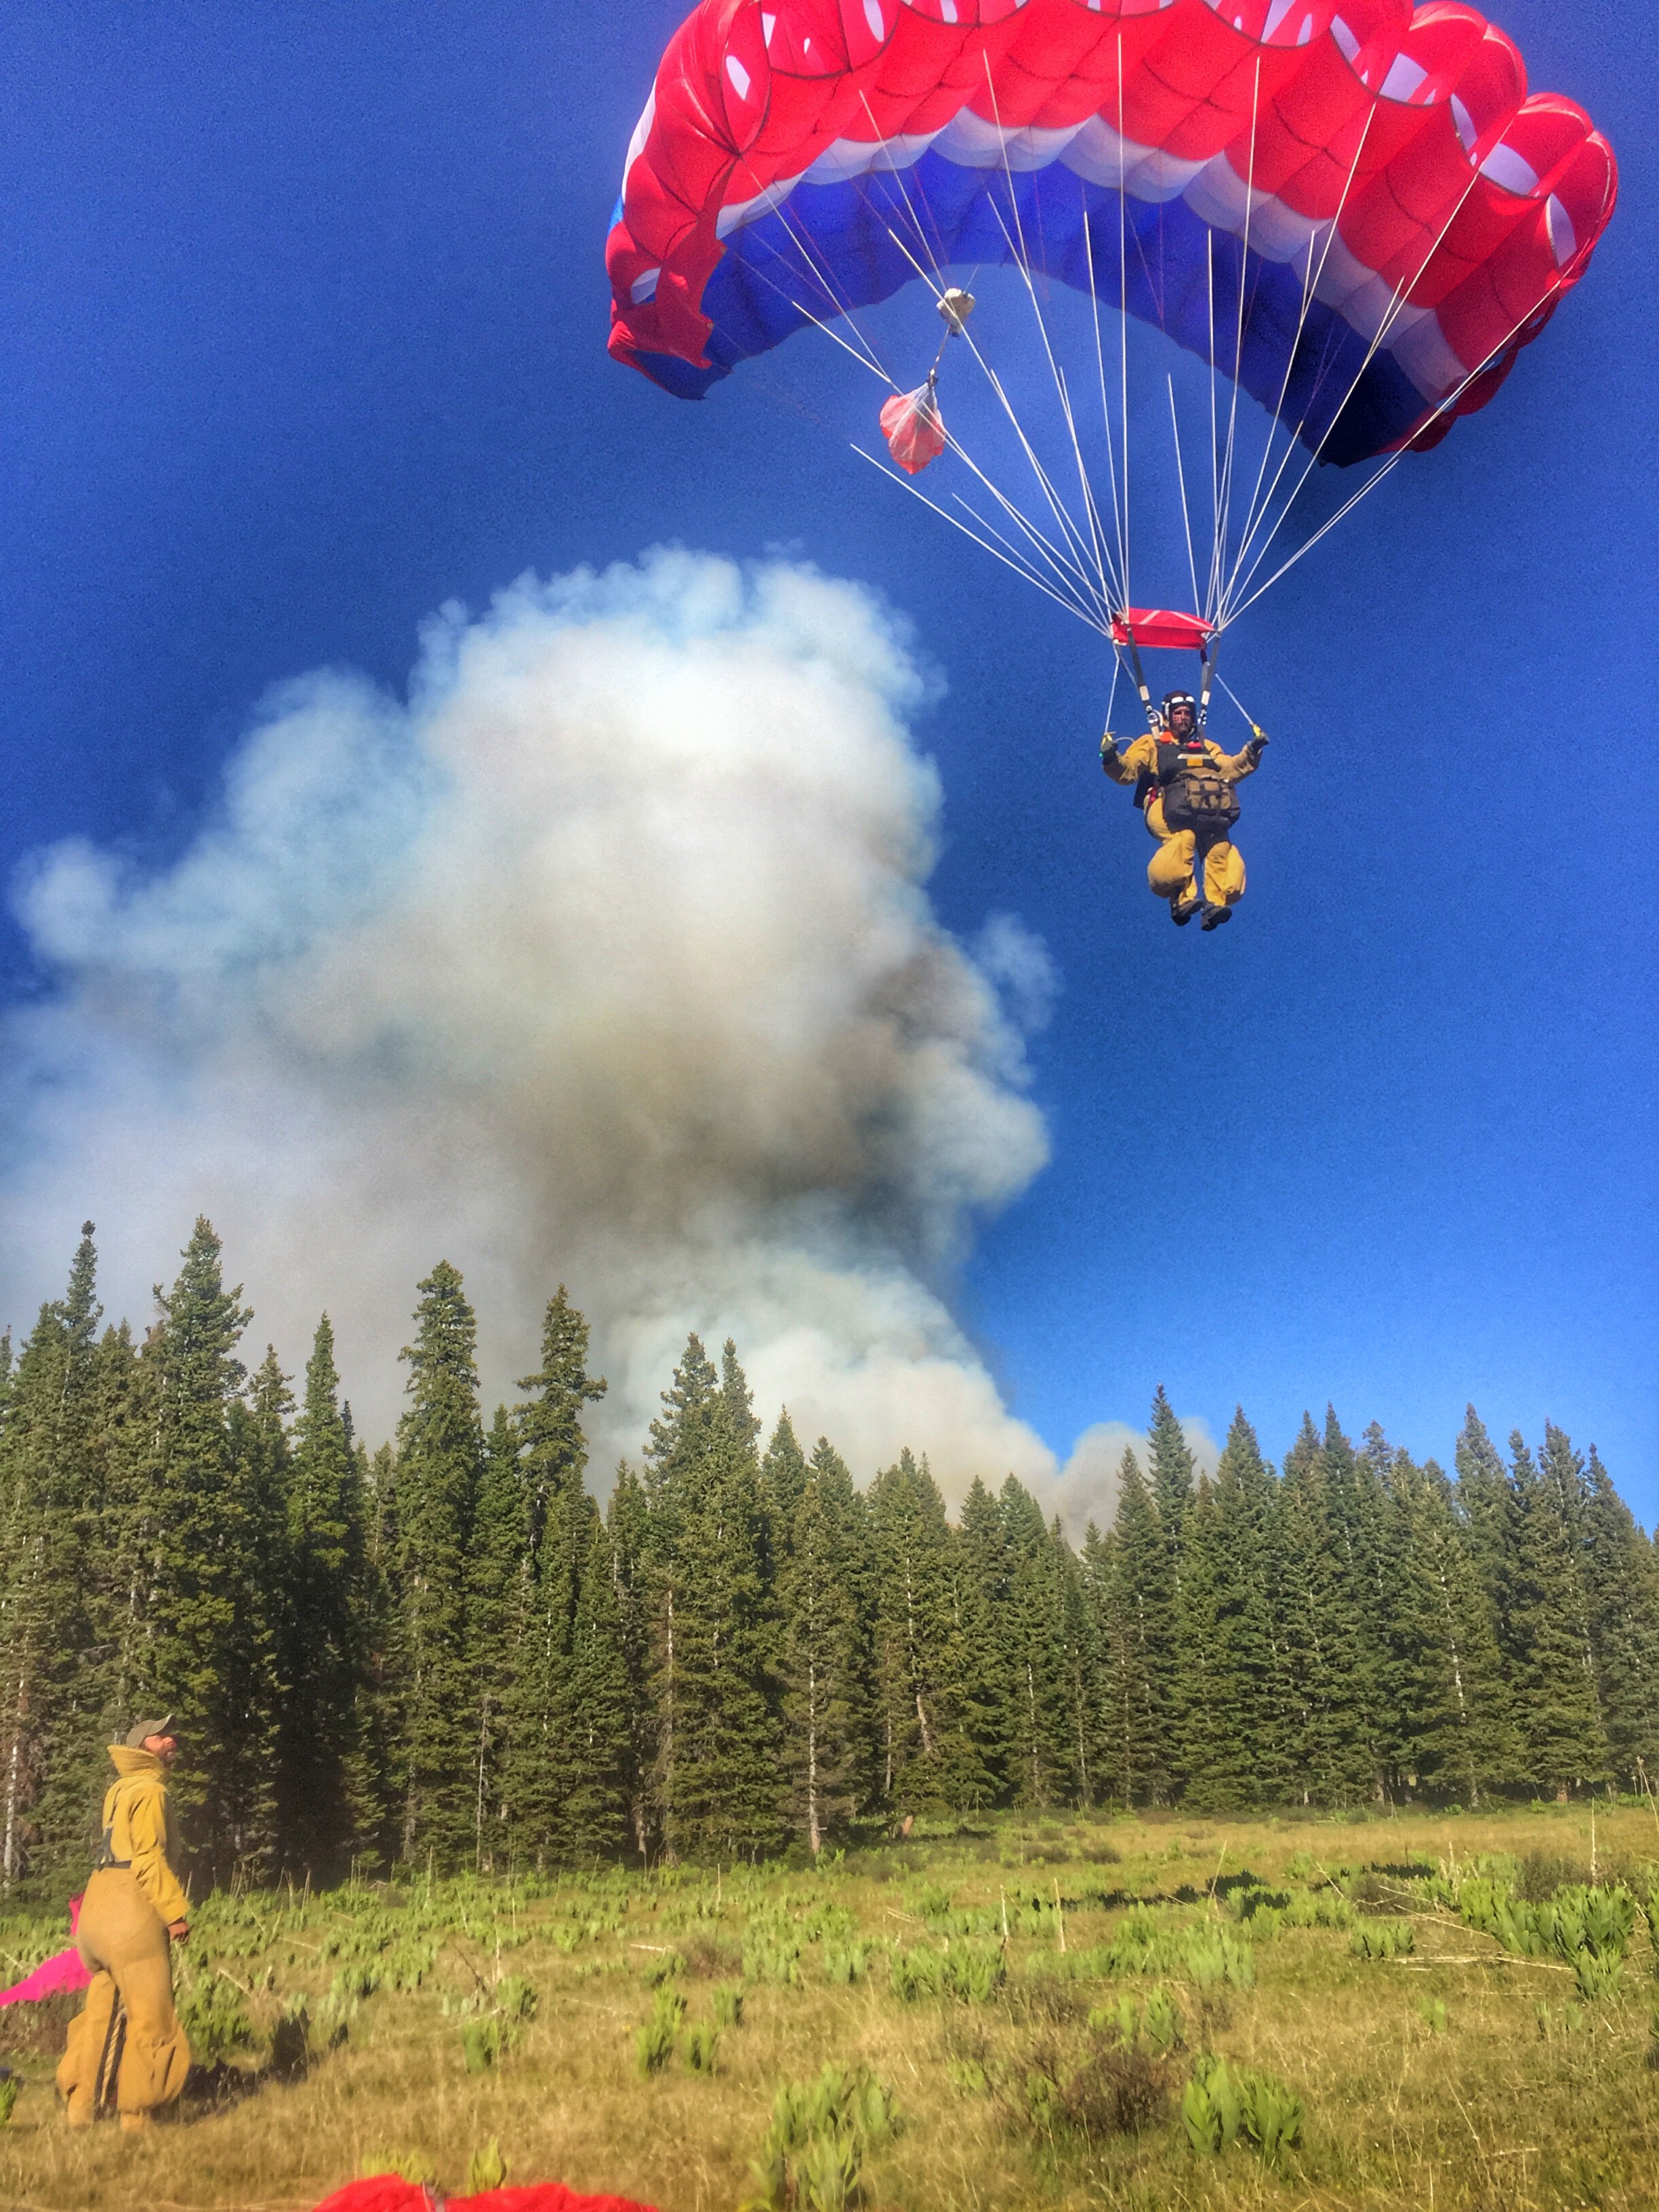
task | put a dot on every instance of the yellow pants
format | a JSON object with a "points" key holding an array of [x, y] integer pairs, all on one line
{"points": [[1169, 871], [124, 1939]]}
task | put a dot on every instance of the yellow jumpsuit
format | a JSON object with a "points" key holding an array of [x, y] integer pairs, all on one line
{"points": [[123, 1938], [1169, 871]]}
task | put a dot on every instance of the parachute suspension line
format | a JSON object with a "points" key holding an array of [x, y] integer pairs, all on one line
{"points": [[1391, 464], [1124, 313], [1180, 475], [1312, 278], [1395, 309], [1069, 601], [1096, 551], [1236, 701], [1022, 261], [863, 352], [1100, 363], [1219, 554], [1111, 696], [1073, 554], [1215, 440], [1081, 553]]}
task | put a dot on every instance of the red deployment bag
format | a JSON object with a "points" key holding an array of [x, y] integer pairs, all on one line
{"points": [[913, 428]]}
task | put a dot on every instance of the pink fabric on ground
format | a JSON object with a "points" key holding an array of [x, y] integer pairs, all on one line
{"points": [[53, 1977]]}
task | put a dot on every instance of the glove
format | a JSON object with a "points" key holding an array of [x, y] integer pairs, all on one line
{"points": [[1257, 743]]}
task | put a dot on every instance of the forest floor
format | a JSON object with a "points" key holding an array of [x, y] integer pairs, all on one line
{"points": [[371, 2029]]}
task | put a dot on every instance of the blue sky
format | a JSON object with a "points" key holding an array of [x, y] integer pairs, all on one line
{"points": [[306, 312]]}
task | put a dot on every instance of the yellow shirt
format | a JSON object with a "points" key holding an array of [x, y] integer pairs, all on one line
{"points": [[139, 1826]]}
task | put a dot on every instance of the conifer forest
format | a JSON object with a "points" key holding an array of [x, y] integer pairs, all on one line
{"points": [[443, 1653]]}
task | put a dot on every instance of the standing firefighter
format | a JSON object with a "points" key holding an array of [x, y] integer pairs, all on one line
{"points": [[127, 2043], [1183, 784]]}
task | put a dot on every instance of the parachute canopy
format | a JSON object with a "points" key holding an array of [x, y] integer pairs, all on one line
{"points": [[1354, 209]]}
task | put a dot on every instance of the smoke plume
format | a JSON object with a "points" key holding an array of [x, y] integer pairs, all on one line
{"points": [[603, 959]]}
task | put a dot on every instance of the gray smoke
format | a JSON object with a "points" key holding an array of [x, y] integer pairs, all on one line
{"points": [[605, 959]]}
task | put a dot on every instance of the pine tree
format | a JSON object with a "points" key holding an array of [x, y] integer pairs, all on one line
{"points": [[728, 1798], [983, 1550], [1621, 1581], [1234, 1701], [1332, 1756], [594, 1818], [1553, 1678], [549, 1734], [784, 1468], [440, 1456], [628, 1535], [1143, 1603], [824, 1650], [209, 1650], [1035, 1650], [46, 1746], [498, 1603], [326, 1791], [927, 1753], [1454, 1734]]}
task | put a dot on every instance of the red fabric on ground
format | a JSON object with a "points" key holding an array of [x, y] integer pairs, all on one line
{"points": [[53, 1977], [387, 2192]]}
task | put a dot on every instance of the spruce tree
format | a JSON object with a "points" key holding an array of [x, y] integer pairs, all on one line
{"points": [[1035, 1649], [1143, 1724], [208, 1653], [498, 1606], [1455, 1736], [440, 1456], [1553, 1678], [549, 1732], [1621, 1584], [1237, 1745], [327, 1799], [47, 1679], [926, 1754], [824, 1650], [628, 1537]]}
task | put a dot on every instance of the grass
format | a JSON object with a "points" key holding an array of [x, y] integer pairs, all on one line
{"points": [[1195, 2026]]}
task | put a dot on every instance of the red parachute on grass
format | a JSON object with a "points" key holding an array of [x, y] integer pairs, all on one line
{"points": [[389, 2192]]}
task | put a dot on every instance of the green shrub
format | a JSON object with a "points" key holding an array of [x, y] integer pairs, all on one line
{"points": [[727, 2001], [1431, 2011], [408, 2164], [846, 1962], [212, 2014], [10, 2084], [482, 2042], [1211, 1956], [515, 1998], [913, 1975], [812, 2159], [698, 2046], [486, 2169], [1382, 1939], [653, 2045], [975, 1971], [1222, 2104]]}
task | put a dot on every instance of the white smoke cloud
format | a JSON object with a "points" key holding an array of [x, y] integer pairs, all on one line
{"points": [[606, 960], [1087, 1485]]}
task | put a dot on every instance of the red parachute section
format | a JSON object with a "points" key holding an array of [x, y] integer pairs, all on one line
{"points": [[1451, 187], [1163, 628]]}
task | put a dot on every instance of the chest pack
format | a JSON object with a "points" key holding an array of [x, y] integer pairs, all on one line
{"points": [[1196, 795]]}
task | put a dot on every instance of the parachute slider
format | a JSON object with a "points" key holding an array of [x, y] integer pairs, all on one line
{"points": [[956, 306], [1157, 626]]}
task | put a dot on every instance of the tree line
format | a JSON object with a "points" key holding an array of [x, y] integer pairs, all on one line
{"points": [[444, 1653]]}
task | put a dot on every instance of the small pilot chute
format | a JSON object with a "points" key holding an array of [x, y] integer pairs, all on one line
{"points": [[913, 428]]}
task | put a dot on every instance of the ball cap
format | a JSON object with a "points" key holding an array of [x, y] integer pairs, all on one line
{"points": [[140, 1730]]}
